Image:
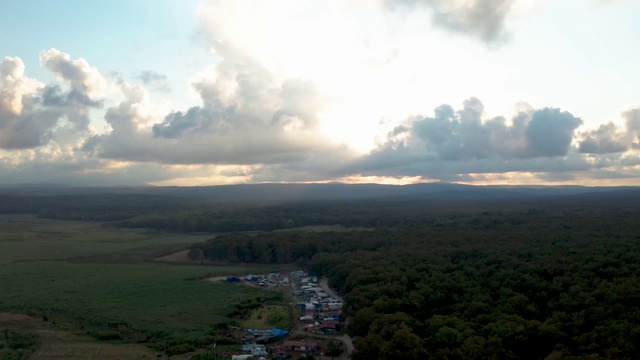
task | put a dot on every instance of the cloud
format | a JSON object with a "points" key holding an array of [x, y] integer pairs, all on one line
{"points": [[550, 131], [245, 119], [246, 116], [32, 114], [632, 122], [264, 111], [455, 142], [465, 135], [155, 81], [482, 19], [610, 138], [82, 77], [605, 139]]}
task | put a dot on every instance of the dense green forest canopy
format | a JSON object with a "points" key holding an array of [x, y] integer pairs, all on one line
{"points": [[517, 284]]}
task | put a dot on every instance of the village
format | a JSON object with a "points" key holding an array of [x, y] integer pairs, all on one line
{"points": [[317, 329]]}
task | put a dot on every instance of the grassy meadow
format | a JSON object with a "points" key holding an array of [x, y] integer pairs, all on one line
{"points": [[28, 238], [267, 317], [88, 277]]}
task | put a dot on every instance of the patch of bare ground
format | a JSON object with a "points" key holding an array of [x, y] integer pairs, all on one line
{"points": [[7, 318], [181, 256]]}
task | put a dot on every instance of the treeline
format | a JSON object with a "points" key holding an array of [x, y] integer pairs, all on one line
{"points": [[503, 285], [287, 247], [90, 207], [286, 216], [177, 214]]}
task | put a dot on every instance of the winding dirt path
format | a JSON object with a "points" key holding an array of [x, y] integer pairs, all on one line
{"points": [[324, 284]]}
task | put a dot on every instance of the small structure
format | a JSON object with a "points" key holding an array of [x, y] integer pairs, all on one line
{"points": [[328, 326], [301, 346], [259, 350], [279, 352]]}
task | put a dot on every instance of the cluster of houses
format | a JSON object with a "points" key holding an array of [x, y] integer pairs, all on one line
{"points": [[293, 349], [254, 340], [271, 281], [320, 312]]}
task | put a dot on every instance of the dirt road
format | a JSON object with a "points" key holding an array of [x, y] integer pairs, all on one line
{"points": [[324, 284]]}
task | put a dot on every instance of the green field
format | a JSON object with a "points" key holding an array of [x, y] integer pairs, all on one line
{"points": [[26, 237], [87, 276], [267, 317]]}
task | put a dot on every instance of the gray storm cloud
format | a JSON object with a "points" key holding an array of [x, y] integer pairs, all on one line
{"points": [[154, 80], [482, 19], [611, 138], [454, 142], [463, 135], [603, 140]]}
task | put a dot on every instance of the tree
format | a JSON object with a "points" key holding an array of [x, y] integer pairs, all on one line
{"points": [[334, 348]]}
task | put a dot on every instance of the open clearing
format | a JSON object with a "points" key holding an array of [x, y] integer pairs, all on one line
{"points": [[267, 317], [85, 277], [26, 237], [64, 344]]}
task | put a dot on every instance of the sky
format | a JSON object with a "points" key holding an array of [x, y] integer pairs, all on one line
{"points": [[187, 92]]}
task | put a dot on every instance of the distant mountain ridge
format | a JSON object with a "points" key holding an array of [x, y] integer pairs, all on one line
{"points": [[287, 193]]}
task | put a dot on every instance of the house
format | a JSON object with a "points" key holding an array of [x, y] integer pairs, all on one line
{"points": [[259, 350], [247, 348], [332, 316], [279, 352], [302, 346], [307, 318], [241, 357], [329, 326]]}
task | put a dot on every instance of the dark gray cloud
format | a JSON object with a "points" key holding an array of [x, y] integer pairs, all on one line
{"points": [[550, 131], [195, 120], [452, 142], [150, 76], [154, 80], [464, 135], [482, 19], [611, 138], [603, 140]]}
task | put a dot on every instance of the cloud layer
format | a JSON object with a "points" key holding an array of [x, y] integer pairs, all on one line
{"points": [[482, 19], [255, 122]]}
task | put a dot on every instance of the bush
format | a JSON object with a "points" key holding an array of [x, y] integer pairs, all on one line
{"points": [[108, 335], [16, 340], [180, 349], [223, 340]]}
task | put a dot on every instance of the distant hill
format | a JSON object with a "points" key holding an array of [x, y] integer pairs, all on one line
{"points": [[268, 194]]}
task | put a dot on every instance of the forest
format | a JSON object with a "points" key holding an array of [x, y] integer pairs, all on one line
{"points": [[550, 282], [454, 274]]}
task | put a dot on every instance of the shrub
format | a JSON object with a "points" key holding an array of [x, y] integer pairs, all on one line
{"points": [[108, 335], [180, 349]]}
